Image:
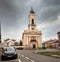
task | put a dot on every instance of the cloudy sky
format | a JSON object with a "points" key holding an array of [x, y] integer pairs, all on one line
{"points": [[14, 17]]}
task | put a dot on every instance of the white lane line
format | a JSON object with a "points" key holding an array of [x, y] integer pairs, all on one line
{"points": [[22, 55], [18, 54], [19, 60], [26, 57], [32, 61]]}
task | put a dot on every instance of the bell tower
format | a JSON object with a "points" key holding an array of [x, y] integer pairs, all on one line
{"points": [[32, 20]]}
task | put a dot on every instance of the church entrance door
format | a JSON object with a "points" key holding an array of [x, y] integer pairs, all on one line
{"points": [[34, 46]]}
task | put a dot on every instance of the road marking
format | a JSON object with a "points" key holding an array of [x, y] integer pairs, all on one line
{"points": [[19, 54], [26, 57], [19, 60], [32, 61], [22, 55]]}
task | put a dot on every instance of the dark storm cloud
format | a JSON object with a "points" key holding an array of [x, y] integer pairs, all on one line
{"points": [[50, 9], [14, 9], [11, 11], [14, 13], [51, 2]]}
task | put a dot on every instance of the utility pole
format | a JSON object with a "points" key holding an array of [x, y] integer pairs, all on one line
{"points": [[0, 31], [0, 38]]}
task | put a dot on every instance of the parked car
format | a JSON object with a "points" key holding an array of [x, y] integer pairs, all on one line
{"points": [[8, 52], [59, 48]]}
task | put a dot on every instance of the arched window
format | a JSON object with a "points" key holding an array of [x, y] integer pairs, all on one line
{"points": [[32, 21]]}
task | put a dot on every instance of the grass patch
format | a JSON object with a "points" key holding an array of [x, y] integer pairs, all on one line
{"points": [[52, 54]]}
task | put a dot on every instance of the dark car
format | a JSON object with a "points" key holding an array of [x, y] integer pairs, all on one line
{"points": [[8, 52]]}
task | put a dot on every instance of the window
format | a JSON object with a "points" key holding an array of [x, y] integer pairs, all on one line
{"points": [[32, 28], [32, 21]]}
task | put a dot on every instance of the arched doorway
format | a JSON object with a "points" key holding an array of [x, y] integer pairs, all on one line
{"points": [[34, 46]]}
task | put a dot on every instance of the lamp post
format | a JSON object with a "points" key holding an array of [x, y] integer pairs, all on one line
{"points": [[0, 37]]}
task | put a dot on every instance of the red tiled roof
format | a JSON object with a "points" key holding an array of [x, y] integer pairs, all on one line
{"points": [[6, 39], [57, 41]]}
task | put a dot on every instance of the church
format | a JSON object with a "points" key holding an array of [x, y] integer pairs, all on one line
{"points": [[32, 37]]}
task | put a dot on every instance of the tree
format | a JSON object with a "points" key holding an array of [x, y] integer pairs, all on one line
{"points": [[21, 43], [16, 43]]}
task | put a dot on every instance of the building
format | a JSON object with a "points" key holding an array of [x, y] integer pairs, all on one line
{"points": [[58, 33], [32, 38], [9, 42], [53, 43]]}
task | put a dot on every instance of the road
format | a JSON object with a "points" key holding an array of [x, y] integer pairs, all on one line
{"points": [[29, 56]]}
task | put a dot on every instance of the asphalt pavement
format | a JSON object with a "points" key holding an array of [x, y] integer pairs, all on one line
{"points": [[29, 56]]}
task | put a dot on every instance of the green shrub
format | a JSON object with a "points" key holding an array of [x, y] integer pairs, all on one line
{"points": [[43, 47]]}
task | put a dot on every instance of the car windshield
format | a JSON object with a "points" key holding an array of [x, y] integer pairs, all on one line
{"points": [[10, 49]]}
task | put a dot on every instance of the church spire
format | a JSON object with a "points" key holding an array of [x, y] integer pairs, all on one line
{"points": [[32, 11]]}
